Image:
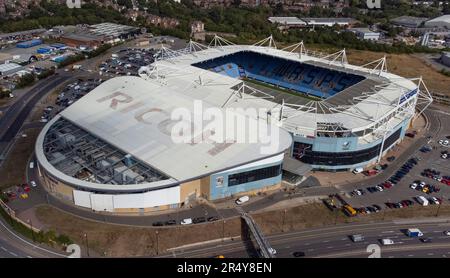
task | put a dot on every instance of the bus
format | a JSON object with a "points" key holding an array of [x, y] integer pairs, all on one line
{"points": [[349, 210]]}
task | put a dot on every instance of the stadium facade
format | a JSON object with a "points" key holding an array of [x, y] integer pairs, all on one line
{"points": [[111, 150]]}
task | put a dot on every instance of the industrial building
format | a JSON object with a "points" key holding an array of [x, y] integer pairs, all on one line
{"points": [[365, 34], [77, 40], [295, 22], [439, 22], [410, 22], [114, 31], [9, 68], [114, 149]]}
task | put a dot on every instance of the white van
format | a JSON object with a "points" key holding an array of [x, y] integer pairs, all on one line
{"points": [[422, 200], [31, 165], [387, 241], [242, 200], [358, 170]]}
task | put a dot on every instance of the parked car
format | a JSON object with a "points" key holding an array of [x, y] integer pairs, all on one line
{"points": [[157, 224], [186, 221], [33, 183], [298, 254], [242, 200], [199, 220], [213, 218]]}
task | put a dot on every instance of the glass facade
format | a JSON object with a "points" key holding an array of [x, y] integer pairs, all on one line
{"points": [[304, 153], [254, 175]]}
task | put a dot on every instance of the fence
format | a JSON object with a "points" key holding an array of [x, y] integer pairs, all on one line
{"points": [[12, 214]]}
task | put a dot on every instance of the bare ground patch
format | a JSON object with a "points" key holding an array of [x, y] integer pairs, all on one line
{"points": [[13, 168], [123, 241]]}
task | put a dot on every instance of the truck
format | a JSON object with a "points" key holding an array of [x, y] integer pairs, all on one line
{"points": [[414, 232], [422, 200], [357, 238]]}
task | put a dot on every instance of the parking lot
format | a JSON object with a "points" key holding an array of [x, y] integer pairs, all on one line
{"points": [[71, 93], [426, 173], [127, 62]]}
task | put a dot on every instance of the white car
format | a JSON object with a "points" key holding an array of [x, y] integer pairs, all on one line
{"points": [[435, 200], [444, 156], [379, 188], [186, 221], [242, 200], [387, 241], [272, 251], [413, 185], [33, 184], [447, 233], [422, 183]]}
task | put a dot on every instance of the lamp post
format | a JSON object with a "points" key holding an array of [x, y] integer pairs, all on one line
{"points": [[87, 243], [157, 242], [31, 226], [439, 206]]}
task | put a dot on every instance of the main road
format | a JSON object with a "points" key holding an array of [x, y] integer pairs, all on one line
{"points": [[334, 242]]}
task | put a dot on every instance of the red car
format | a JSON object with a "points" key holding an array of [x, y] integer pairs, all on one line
{"points": [[387, 185], [26, 187]]}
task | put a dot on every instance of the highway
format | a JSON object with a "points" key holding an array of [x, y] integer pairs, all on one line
{"points": [[329, 242]]}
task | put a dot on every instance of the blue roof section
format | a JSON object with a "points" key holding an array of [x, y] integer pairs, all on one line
{"points": [[28, 44]]}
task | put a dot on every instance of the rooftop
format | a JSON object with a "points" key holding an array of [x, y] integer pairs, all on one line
{"points": [[151, 142]]}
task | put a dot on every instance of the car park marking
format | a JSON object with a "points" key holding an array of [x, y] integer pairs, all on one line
{"points": [[386, 232], [4, 249]]}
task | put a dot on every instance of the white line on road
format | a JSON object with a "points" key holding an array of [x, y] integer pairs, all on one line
{"points": [[3, 248], [430, 254], [387, 232], [14, 254], [410, 255], [325, 241], [329, 247]]}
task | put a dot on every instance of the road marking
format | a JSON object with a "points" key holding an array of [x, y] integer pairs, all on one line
{"points": [[344, 238], [29, 257], [309, 250], [410, 255], [307, 243], [4, 249], [387, 232], [329, 247], [430, 254], [14, 254], [325, 241]]}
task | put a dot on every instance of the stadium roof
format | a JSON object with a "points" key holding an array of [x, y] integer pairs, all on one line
{"points": [[178, 74], [147, 138]]}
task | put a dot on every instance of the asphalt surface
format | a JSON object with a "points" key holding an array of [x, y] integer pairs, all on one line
{"points": [[13, 119], [40, 196], [335, 242]]}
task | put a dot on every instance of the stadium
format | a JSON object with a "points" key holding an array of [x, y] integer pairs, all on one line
{"points": [[112, 150]]}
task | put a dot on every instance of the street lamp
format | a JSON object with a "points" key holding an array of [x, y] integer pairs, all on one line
{"points": [[87, 243], [31, 226], [157, 242], [439, 206]]}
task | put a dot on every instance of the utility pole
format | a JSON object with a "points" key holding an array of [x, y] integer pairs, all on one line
{"points": [[157, 242], [31, 226], [87, 243], [439, 206]]}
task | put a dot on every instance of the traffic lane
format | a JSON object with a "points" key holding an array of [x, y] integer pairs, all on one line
{"points": [[416, 250], [15, 126], [8, 251], [344, 244], [318, 238]]}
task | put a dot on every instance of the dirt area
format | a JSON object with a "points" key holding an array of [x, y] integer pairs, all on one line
{"points": [[120, 241], [317, 215], [407, 66], [13, 168]]}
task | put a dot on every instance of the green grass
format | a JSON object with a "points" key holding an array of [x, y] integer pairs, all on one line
{"points": [[282, 90]]}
